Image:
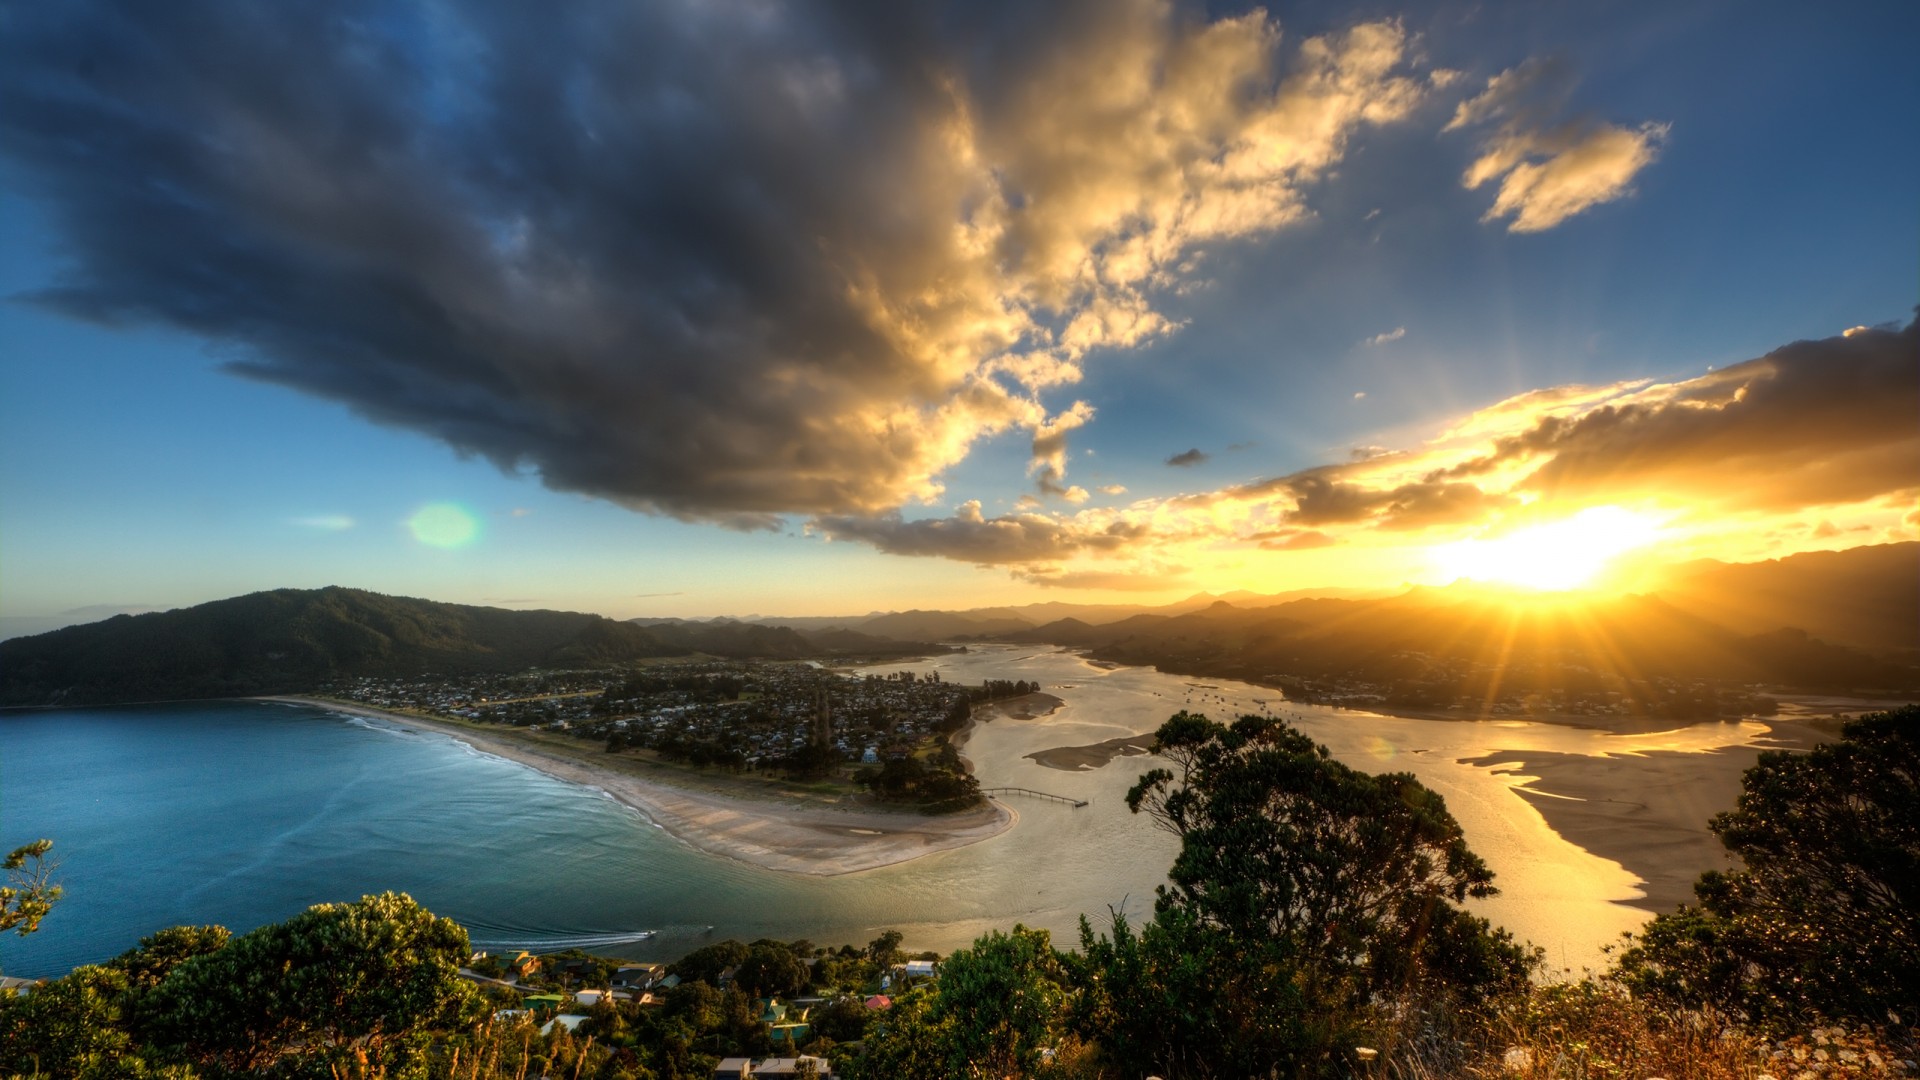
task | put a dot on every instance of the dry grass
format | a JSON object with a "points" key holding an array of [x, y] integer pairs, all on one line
{"points": [[1596, 1031]]}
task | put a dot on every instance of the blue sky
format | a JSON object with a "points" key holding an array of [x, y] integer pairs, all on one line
{"points": [[737, 368]]}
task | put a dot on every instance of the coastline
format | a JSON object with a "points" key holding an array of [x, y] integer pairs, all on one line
{"points": [[788, 834]]}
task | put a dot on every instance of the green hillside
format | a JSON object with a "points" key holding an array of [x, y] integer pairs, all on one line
{"points": [[290, 640]]}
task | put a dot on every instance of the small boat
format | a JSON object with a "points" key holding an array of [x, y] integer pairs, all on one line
{"points": [[645, 935]]}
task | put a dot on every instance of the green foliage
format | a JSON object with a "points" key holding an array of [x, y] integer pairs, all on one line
{"points": [[1351, 872], [844, 1019], [364, 977], [706, 963], [885, 949], [1309, 904], [998, 1009], [71, 1026], [158, 954], [1824, 919], [771, 970], [1181, 999], [1006, 996], [29, 894]]}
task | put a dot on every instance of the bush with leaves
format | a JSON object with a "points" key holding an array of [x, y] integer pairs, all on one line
{"points": [[29, 893], [1823, 920], [998, 1009], [338, 980]]}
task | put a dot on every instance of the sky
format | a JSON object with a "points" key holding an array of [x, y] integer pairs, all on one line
{"points": [[773, 308]]}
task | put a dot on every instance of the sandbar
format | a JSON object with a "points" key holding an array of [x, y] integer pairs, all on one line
{"points": [[790, 834], [1095, 755], [1646, 811]]}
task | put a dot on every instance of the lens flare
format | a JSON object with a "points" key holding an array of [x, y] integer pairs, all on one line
{"points": [[444, 525]]}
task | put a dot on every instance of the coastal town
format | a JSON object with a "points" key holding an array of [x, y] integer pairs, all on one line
{"points": [[768, 1009], [886, 731]]}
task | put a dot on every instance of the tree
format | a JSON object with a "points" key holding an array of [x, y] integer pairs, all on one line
{"points": [[998, 1010], [885, 949], [1824, 917], [771, 971], [371, 976], [707, 962], [148, 964], [1316, 893], [29, 893]]}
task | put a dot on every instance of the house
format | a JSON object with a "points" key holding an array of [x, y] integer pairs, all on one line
{"points": [[878, 1002], [793, 1066], [744, 1068], [523, 965], [918, 969], [571, 1023], [639, 976]]}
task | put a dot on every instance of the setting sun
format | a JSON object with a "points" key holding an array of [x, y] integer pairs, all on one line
{"points": [[1567, 554]]}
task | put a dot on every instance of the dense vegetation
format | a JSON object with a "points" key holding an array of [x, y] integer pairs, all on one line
{"points": [[296, 640], [1311, 928]]}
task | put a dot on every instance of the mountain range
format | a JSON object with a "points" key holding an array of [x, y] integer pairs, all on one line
{"points": [[1845, 620]]}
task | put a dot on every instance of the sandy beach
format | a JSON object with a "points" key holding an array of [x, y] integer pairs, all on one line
{"points": [[1647, 811], [795, 835]]}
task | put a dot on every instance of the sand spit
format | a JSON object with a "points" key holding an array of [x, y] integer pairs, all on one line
{"points": [[1095, 755], [794, 835]]}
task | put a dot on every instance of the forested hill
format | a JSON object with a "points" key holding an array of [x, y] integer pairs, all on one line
{"points": [[290, 640]]}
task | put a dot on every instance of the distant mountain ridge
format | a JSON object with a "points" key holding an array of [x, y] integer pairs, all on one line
{"points": [[292, 640], [1826, 620], [1822, 619]]}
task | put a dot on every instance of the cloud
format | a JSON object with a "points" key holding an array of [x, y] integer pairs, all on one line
{"points": [[969, 536], [652, 595], [1359, 395], [1152, 578], [1050, 453], [728, 262], [1812, 424], [1394, 334], [1113, 489], [1549, 171], [1815, 425], [1296, 540], [1186, 459]]}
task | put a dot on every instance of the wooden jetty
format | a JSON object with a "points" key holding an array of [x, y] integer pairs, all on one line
{"points": [[1075, 803]]}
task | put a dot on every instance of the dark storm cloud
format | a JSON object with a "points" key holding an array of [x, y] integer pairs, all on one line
{"points": [[1810, 424], [1186, 459], [722, 261], [969, 536]]}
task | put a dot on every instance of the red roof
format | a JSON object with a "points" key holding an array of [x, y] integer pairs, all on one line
{"points": [[879, 1001]]}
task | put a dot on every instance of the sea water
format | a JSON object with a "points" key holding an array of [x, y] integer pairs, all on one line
{"points": [[242, 813]]}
